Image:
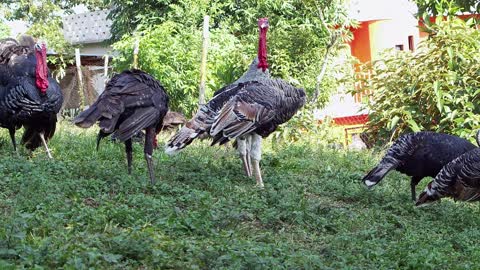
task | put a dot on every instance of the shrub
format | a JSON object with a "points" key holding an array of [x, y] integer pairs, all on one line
{"points": [[172, 55], [435, 88]]}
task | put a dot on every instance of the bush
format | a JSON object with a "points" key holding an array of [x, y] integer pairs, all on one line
{"points": [[172, 55], [435, 88]]}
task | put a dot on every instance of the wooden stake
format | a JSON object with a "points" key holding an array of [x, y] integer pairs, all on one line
{"points": [[203, 65], [105, 68], [80, 78], [135, 53]]}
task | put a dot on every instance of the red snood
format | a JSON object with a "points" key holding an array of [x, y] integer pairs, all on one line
{"points": [[262, 49], [41, 70]]}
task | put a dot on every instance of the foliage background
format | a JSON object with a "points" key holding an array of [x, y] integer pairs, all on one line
{"points": [[44, 21], [299, 33], [4, 30], [435, 88]]}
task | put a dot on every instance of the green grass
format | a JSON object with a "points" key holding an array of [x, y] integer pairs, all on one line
{"points": [[82, 210]]}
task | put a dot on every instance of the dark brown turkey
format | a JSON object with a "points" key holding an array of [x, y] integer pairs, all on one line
{"points": [[132, 101], [245, 111], [29, 96], [459, 179], [418, 155]]}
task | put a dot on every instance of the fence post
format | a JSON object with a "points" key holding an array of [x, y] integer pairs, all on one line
{"points": [[80, 78], [135, 52], [105, 68], [203, 65]]}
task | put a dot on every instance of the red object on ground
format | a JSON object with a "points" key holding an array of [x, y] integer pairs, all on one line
{"points": [[41, 71], [351, 120]]}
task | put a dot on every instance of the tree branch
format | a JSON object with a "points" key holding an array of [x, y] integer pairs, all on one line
{"points": [[334, 36]]}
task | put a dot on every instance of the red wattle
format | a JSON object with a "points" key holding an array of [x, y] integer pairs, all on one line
{"points": [[41, 70]]}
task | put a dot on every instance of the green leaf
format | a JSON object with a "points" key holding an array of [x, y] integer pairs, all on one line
{"points": [[413, 125], [439, 95], [393, 122]]}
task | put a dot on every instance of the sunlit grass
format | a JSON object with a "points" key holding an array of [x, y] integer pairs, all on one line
{"points": [[82, 210]]}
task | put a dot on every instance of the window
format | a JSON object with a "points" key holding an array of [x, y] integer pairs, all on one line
{"points": [[411, 45], [399, 47]]}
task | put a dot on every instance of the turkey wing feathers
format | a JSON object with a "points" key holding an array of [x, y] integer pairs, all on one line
{"points": [[139, 120]]}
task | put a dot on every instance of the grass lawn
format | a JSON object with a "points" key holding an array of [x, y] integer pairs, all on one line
{"points": [[82, 210]]}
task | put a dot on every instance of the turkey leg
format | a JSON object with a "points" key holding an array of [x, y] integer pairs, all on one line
{"points": [[249, 149], [256, 155], [413, 183], [244, 155], [148, 150], [129, 150], [12, 136], [42, 137]]}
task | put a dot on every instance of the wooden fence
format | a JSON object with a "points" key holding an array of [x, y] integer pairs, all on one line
{"points": [[360, 81]]}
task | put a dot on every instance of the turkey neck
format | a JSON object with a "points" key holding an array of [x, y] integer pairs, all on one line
{"points": [[262, 49], [41, 71]]}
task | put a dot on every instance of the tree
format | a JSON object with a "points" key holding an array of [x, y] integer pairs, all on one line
{"points": [[4, 30], [303, 36], [435, 88], [446, 7], [44, 20]]}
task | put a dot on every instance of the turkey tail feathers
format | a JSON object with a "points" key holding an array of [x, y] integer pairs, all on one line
{"points": [[183, 138], [88, 117]]}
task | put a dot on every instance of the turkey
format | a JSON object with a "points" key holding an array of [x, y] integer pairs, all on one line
{"points": [[132, 101], [459, 179], [170, 121], [246, 111], [418, 155], [29, 96]]}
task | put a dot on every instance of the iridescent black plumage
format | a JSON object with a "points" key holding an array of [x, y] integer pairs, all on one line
{"points": [[418, 155], [459, 179], [238, 109], [132, 101], [246, 110], [21, 103]]}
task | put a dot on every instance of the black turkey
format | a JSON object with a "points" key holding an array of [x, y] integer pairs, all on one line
{"points": [[132, 101], [459, 179], [418, 155], [247, 110], [29, 96]]}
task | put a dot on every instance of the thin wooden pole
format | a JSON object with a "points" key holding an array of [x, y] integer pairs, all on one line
{"points": [[135, 53], [203, 65], [105, 68], [80, 78]]}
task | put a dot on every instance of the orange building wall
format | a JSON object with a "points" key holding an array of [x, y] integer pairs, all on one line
{"points": [[375, 38], [360, 45]]}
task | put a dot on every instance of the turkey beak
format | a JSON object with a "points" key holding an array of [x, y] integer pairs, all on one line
{"points": [[424, 199], [264, 25]]}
